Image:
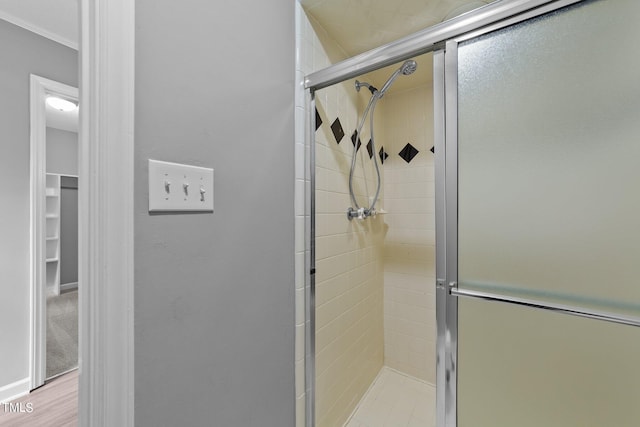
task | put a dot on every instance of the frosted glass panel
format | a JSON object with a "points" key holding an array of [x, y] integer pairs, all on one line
{"points": [[549, 208], [549, 158], [520, 367]]}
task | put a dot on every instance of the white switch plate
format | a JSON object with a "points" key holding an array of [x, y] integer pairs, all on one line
{"points": [[174, 187]]}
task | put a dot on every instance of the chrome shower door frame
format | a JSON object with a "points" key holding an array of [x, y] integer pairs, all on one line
{"points": [[310, 266]]}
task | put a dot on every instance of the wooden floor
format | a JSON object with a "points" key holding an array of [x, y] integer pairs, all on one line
{"points": [[53, 405]]}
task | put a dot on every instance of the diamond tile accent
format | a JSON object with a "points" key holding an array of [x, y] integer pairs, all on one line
{"points": [[353, 140], [383, 155], [370, 148], [433, 150], [318, 119], [408, 153], [336, 128]]}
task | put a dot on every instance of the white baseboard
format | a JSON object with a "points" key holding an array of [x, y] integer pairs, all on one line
{"points": [[68, 287], [14, 390]]}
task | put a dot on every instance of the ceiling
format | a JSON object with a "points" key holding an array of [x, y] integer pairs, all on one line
{"points": [[361, 25], [62, 120], [54, 19]]}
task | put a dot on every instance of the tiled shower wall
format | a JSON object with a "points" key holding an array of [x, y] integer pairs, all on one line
{"points": [[409, 248], [349, 254], [302, 175]]}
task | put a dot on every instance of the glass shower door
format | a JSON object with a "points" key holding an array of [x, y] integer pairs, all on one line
{"points": [[548, 219]]}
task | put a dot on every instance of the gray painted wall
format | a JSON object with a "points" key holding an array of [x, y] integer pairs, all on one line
{"points": [[22, 53], [214, 293], [62, 151]]}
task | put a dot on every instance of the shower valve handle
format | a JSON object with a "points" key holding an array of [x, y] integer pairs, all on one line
{"points": [[360, 213]]}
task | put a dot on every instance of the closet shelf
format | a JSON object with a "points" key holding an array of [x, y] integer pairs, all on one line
{"points": [[53, 238], [48, 216], [52, 259]]}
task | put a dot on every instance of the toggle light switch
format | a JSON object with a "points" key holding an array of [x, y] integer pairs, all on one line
{"points": [[161, 199]]}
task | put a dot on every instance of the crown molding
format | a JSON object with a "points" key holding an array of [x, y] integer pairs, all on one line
{"points": [[38, 30]]}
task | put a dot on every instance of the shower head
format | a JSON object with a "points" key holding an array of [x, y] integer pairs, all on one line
{"points": [[407, 67]]}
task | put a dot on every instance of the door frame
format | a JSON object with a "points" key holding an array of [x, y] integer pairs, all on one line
{"points": [[440, 39], [106, 209], [40, 88]]}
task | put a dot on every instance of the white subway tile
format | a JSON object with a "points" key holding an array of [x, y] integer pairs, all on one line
{"points": [[301, 411], [299, 366], [299, 270], [299, 200], [300, 299], [299, 237]]}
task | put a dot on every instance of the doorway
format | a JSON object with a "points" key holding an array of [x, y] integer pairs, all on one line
{"points": [[54, 229]]}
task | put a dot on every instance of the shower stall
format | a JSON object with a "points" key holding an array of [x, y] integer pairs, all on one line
{"points": [[491, 239], [374, 237]]}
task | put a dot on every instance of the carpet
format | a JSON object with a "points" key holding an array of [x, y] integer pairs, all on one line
{"points": [[62, 333]]}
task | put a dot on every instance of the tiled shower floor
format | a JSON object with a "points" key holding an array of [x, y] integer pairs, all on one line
{"points": [[396, 400]]}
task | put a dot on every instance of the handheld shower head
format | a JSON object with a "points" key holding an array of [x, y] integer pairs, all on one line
{"points": [[407, 67]]}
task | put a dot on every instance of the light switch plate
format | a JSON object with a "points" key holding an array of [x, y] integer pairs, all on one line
{"points": [[174, 187]]}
